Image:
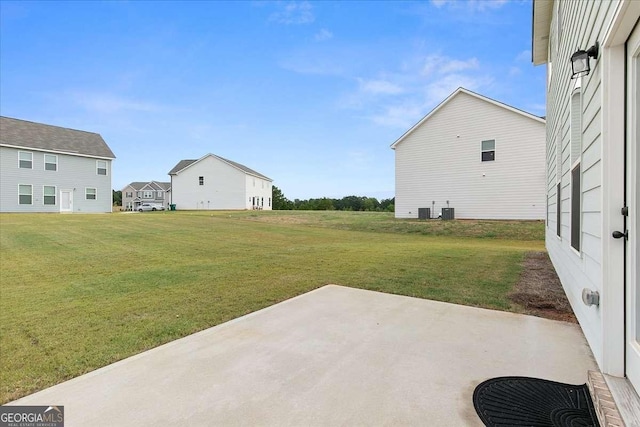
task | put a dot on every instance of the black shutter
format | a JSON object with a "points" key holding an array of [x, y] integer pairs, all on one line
{"points": [[575, 208]]}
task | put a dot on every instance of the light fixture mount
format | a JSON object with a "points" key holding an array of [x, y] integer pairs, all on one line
{"points": [[580, 65]]}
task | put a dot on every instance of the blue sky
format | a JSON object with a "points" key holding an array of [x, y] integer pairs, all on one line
{"points": [[310, 94]]}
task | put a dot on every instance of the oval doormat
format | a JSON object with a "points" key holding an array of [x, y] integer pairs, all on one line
{"points": [[523, 401]]}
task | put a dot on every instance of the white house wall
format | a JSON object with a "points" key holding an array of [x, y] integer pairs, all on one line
{"points": [[224, 186], [582, 23], [259, 193], [441, 160], [73, 173]]}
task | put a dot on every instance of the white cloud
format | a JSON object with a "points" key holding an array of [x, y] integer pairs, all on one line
{"points": [[423, 91], [437, 64], [323, 35], [470, 5], [454, 65], [293, 13], [438, 90], [382, 87], [524, 56], [514, 71], [402, 115]]}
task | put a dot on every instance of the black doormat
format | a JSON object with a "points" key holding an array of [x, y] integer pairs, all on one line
{"points": [[522, 401]]}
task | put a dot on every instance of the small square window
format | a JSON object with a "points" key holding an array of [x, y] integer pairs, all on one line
{"points": [[488, 150], [90, 193], [201, 180], [25, 160], [101, 166], [25, 194], [50, 162], [49, 193]]}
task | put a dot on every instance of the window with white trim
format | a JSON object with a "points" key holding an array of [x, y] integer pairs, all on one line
{"points": [[101, 167], [201, 180], [25, 160], [147, 194], [159, 196], [128, 194], [50, 162], [49, 194], [90, 193], [489, 150], [25, 194]]}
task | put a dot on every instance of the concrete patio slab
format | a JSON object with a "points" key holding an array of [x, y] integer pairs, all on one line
{"points": [[333, 356]]}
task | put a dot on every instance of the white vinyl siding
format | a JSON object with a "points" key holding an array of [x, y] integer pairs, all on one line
{"points": [[583, 23], [439, 161], [74, 173], [225, 187]]}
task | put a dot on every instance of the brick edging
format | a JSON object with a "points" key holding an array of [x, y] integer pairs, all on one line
{"points": [[606, 408]]}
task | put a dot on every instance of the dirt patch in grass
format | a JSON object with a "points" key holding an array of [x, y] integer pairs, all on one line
{"points": [[539, 290]]}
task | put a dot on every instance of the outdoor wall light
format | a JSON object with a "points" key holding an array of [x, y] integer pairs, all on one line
{"points": [[580, 61]]}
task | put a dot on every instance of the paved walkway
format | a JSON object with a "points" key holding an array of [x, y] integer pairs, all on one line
{"points": [[334, 356]]}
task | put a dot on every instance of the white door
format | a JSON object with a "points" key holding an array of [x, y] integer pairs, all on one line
{"points": [[66, 200], [632, 346]]}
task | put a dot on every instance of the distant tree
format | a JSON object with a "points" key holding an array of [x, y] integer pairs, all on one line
{"points": [[117, 198], [280, 202], [324, 204], [388, 205]]}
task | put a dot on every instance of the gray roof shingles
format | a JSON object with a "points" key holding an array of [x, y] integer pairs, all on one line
{"points": [[184, 163], [156, 185], [22, 133]]}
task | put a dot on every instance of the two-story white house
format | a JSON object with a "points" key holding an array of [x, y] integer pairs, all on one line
{"points": [[136, 193], [483, 158], [46, 168], [592, 52], [215, 183]]}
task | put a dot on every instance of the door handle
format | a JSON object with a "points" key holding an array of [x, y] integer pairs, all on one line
{"points": [[620, 234]]}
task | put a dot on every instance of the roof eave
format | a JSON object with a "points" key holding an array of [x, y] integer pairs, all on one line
{"points": [[540, 29]]}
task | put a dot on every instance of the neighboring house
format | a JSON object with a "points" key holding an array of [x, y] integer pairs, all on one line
{"points": [[136, 193], [481, 157], [46, 168], [592, 170], [215, 183]]}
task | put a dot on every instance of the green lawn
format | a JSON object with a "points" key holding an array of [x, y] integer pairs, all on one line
{"points": [[78, 292]]}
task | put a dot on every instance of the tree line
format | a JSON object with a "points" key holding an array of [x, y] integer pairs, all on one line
{"points": [[348, 203]]}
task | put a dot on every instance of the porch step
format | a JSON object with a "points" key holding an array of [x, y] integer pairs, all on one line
{"points": [[616, 403]]}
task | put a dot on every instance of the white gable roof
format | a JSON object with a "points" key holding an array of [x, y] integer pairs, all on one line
{"points": [[468, 92]]}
